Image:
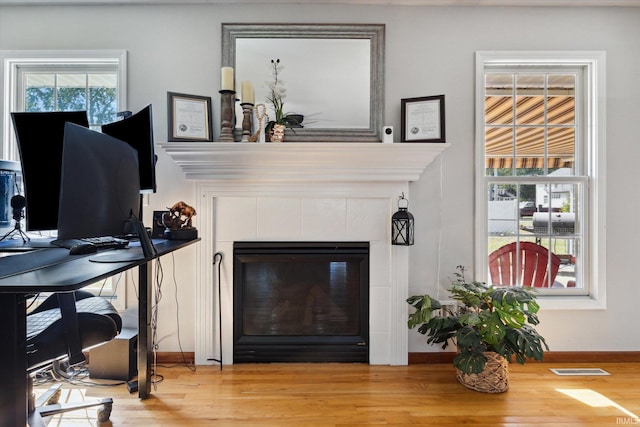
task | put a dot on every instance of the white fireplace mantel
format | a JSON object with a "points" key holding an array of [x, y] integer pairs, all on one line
{"points": [[309, 162]]}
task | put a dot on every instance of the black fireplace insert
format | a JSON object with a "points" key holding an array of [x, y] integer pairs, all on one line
{"points": [[301, 302]]}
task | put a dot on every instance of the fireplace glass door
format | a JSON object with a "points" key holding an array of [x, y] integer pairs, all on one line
{"points": [[301, 301]]}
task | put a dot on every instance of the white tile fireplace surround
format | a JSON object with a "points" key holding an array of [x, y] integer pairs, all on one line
{"points": [[302, 192]]}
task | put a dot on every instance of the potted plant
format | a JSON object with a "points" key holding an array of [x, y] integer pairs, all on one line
{"points": [[277, 93], [489, 326]]}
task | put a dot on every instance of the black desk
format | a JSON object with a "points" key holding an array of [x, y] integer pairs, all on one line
{"points": [[72, 273]]}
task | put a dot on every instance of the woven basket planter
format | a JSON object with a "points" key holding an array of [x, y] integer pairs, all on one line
{"points": [[494, 378]]}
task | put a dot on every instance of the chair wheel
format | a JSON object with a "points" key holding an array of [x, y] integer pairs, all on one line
{"points": [[104, 412]]}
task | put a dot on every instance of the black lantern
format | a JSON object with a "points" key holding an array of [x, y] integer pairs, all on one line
{"points": [[402, 224]]}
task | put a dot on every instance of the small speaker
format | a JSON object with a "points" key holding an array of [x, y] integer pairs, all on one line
{"points": [[387, 134], [116, 359], [157, 231]]}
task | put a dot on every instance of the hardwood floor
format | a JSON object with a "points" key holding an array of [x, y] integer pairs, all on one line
{"points": [[343, 395]]}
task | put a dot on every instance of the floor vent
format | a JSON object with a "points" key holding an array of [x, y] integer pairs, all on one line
{"points": [[579, 371]]}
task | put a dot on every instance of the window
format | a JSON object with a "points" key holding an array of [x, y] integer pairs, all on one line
{"points": [[540, 175], [62, 81], [94, 81]]}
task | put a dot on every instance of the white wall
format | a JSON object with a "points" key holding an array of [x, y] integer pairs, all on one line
{"points": [[429, 51]]}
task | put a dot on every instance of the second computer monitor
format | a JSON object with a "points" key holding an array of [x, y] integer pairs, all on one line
{"points": [[137, 131]]}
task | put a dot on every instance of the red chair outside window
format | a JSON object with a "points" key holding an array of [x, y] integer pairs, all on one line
{"points": [[534, 260]]}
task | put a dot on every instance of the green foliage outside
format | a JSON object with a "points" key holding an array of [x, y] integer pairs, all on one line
{"points": [[101, 106]]}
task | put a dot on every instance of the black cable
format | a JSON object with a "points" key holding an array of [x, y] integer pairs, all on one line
{"points": [[215, 256], [154, 320], [191, 367]]}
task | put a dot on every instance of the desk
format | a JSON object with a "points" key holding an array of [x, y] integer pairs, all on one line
{"points": [[71, 274]]}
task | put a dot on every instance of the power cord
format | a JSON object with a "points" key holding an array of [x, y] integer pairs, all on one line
{"points": [[159, 276], [190, 366]]}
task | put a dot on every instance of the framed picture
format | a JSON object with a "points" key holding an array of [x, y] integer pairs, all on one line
{"points": [[423, 119], [189, 117]]}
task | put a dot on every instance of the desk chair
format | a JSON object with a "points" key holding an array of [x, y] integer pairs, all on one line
{"points": [[62, 326], [533, 269]]}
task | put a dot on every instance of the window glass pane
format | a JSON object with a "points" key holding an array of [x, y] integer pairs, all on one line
{"points": [[526, 207], [503, 209], [499, 149], [530, 99], [561, 99], [568, 252], [72, 92], [39, 92], [530, 150], [499, 99], [102, 99]]}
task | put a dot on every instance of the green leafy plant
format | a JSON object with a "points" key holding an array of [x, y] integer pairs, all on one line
{"points": [[487, 318], [276, 96]]}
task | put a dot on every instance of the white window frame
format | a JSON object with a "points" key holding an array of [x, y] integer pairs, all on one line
{"points": [[593, 167], [14, 62]]}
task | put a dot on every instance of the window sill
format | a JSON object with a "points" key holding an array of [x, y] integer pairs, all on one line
{"points": [[582, 302]]}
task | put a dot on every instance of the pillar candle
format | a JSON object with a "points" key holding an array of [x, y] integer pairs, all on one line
{"points": [[227, 78], [248, 95]]}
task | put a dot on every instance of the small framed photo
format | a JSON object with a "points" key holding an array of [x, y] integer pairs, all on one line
{"points": [[423, 119], [189, 117]]}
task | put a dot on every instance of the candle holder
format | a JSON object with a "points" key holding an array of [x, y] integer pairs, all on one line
{"points": [[227, 102], [247, 121]]}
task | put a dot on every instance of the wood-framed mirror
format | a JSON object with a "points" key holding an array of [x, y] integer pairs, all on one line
{"points": [[333, 75]]}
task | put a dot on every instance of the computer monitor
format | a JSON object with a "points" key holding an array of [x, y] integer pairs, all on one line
{"points": [[137, 131], [39, 136], [100, 185], [10, 186]]}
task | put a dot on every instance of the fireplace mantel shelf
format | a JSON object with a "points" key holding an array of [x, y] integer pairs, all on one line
{"points": [[310, 162]]}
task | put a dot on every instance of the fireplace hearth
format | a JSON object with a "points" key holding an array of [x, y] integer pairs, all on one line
{"points": [[301, 302]]}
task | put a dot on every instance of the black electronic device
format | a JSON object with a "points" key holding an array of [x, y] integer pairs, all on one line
{"points": [[10, 186], [137, 131], [40, 138], [83, 248], [116, 359], [100, 189], [12, 203]]}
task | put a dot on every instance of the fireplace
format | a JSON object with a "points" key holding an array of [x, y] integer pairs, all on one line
{"points": [[301, 302], [327, 192]]}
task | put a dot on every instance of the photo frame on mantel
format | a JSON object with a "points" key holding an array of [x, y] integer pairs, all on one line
{"points": [[423, 119], [189, 117]]}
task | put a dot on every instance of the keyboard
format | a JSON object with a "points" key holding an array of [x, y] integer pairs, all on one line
{"points": [[106, 242]]}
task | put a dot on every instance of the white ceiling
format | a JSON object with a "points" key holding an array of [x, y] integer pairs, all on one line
{"points": [[575, 3]]}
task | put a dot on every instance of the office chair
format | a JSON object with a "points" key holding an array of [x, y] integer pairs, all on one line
{"points": [[62, 326]]}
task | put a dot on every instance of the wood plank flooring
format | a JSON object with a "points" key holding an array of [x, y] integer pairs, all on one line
{"points": [[341, 395]]}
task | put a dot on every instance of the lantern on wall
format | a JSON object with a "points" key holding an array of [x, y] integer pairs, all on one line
{"points": [[402, 224]]}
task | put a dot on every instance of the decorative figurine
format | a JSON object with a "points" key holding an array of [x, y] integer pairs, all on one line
{"points": [[261, 115], [178, 222]]}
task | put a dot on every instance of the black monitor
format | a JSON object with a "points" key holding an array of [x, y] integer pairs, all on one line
{"points": [[100, 188], [39, 136], [137, 131], [10, 186]]}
